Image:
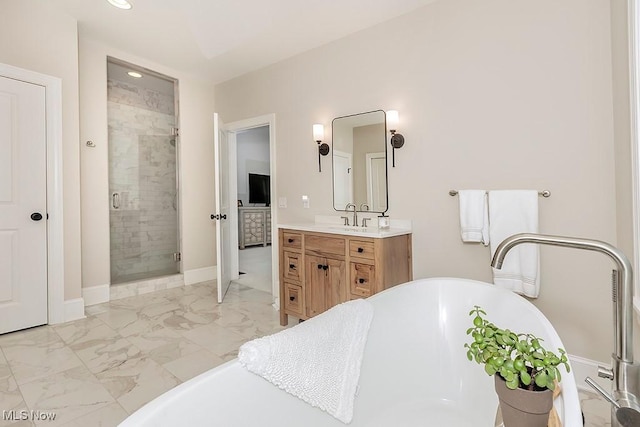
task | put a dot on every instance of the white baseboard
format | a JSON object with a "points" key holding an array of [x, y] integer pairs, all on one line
{"points": [[200, 275], [95, 295], [74, 309], [583, 368]]}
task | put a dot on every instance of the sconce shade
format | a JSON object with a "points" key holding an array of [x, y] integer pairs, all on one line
{"points": [[392, 120], [318, 132], [397, 140], [323, 148]]}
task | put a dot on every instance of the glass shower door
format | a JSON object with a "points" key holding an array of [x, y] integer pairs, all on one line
{"points": [[142, 177]]}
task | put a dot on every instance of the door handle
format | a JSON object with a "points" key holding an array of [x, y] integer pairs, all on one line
{"points": [[215, 216], [36, 216], [223, 216], [115, 200]]}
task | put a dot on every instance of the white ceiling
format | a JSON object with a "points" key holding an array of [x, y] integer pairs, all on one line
{"points": [[222, 39]]}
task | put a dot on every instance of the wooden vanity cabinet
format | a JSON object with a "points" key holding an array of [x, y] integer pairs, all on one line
{"points": [[325, 283], [320, 270]]}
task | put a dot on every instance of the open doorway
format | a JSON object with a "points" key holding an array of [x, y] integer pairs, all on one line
{"points": [[254, 208], [252, 166]]}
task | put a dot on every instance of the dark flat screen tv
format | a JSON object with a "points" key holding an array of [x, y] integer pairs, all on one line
{"points": [[259, 189]]}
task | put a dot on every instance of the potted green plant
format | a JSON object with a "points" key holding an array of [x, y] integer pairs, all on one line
{"points": [[525, 372]]}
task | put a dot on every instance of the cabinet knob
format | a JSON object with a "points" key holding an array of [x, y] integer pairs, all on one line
{"points": [[292, 266], [361, 280], [292, 298], [290, 240], [325, 267], [320, 266], [360, 250]]}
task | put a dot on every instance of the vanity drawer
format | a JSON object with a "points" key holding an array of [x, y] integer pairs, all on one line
{"points": [[324, 245], [363, 279], [291, 240], [292, 266], [293, 299], [361, 249]]}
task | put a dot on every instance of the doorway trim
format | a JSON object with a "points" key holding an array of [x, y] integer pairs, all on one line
{"points": [[233, 128], [55, 222]]}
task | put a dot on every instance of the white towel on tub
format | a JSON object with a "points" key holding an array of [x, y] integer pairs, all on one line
{"points": [[512, 212], [318, 360], [474, 216]]}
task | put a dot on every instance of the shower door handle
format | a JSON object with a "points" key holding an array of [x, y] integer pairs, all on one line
{"points": [[115, 200]]}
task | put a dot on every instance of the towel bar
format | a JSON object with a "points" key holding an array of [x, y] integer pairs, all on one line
{"points": [[543, 193]]}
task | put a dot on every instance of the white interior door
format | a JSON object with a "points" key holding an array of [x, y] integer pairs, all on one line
{"points": [[223, 214], [23, 201], [377, 181], [343, 179]]}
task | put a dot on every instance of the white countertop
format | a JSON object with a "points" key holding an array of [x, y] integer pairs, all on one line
{"points": [[371, 231]]}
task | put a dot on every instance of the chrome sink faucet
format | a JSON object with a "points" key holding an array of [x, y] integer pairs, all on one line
{"points": [[625, 410], [355, 213]]}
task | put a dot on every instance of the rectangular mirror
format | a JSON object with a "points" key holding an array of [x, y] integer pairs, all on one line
{"points": [[360, 162]]}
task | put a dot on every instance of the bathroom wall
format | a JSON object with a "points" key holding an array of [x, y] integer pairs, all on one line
{"points": [[196, 108], [494, 94], [38, 37], [142, 163]]}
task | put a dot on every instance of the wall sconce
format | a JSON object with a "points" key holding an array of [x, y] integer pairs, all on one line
{"points": [[397, 140], [323, 147]]}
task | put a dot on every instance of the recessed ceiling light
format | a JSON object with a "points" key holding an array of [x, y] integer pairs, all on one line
{"points": [[134, 74], [121, 4]]}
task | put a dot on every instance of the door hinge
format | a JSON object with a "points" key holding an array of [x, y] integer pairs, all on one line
{"points": [[175, 132], [177, 256]]}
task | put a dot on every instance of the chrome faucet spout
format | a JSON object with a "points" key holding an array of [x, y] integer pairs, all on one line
{"points": [[355, 213], [625, 373], [623, 309]]}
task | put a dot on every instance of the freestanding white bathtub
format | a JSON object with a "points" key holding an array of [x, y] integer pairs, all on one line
{"points": [[414, 371]]}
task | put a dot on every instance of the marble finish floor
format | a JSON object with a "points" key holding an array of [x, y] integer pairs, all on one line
{"points": [[597, 412], [98, 370], [255, 263]]}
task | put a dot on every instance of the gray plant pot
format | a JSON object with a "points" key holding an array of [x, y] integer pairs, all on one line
{"points": [[523, 408]]}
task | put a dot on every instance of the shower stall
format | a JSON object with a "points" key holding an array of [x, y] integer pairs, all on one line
{"points": [[143, 166]]}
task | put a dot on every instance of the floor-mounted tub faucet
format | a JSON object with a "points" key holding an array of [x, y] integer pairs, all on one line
{"points": [[625, 410]]}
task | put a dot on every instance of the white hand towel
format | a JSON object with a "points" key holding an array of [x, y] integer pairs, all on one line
{"points": [[318, 360], [512, 212], [474, 216]]}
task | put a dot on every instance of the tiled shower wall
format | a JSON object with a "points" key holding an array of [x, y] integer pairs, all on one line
{"points": [[142, 171]]}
